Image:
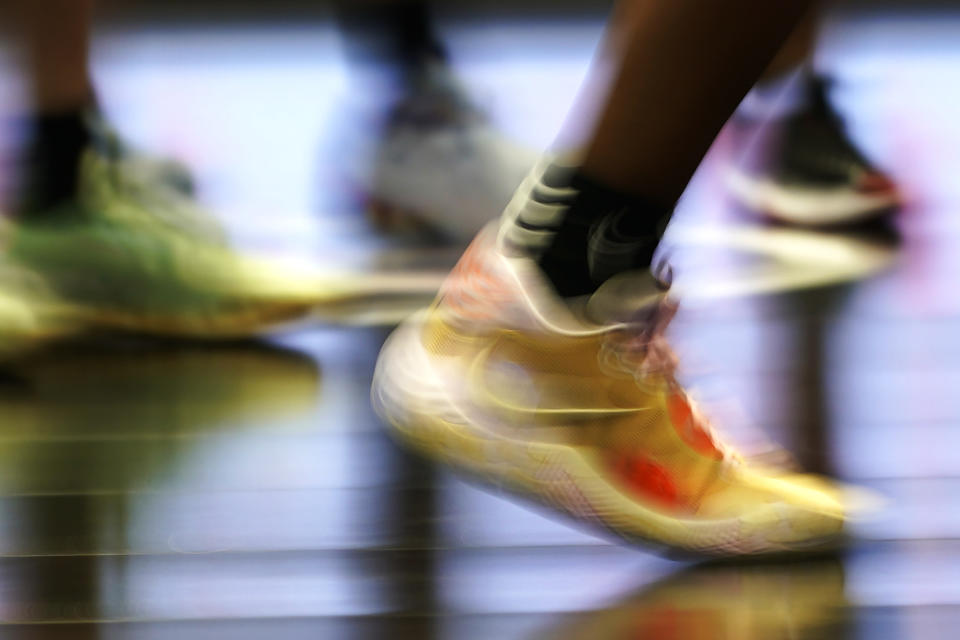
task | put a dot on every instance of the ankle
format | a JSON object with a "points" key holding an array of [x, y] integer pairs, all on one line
{"points": [[51, 159], [581, 232]]}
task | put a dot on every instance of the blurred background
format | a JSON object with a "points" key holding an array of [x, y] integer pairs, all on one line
{"points": [[243, 489]]}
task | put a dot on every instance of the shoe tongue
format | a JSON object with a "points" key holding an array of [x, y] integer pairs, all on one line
{"points": [[624, 297]]}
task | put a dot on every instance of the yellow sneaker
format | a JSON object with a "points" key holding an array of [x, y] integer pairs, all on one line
{"points": [[576, 406], [30, 314]]}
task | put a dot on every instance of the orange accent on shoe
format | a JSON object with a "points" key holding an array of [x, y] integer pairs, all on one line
{"points": [[688, 426], [647, 479], [875, 182], [473, 290]]}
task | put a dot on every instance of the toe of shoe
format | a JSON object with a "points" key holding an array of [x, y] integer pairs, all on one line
{"points": [[804, 512]]}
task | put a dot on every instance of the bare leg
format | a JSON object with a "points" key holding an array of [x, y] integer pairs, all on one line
{"points": [[686, 65], [56, 38], [55, 35], [797, 49]]}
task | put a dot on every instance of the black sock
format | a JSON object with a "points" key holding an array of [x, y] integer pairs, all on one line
{"points": [[52, 160], [601, 232], [398, 36]]}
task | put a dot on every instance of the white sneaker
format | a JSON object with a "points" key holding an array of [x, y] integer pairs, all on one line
{"points": [[441, 165]]}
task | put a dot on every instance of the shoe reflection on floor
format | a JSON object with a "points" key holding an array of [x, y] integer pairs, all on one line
{"points": [[798, 599], [94, 444]]}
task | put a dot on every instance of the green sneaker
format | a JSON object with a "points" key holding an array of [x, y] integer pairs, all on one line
{"points": [[126, 256], [30, 315]]}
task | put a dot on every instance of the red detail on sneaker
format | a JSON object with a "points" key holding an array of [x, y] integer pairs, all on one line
{"points": [[473, 289], [646, 479], [875, 182], [689, 427]]}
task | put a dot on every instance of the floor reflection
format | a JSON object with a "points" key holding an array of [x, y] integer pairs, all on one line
{"points": [[103, 390], [89, 437], [810, 418], [814, 314], [724, 602]]}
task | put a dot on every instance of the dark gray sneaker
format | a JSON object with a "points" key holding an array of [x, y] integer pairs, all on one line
{"points": [[809, 173]]}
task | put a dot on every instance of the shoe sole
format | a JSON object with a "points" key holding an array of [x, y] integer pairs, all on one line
{"points": [[809, 207], [361, 299], [223, 325]]}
